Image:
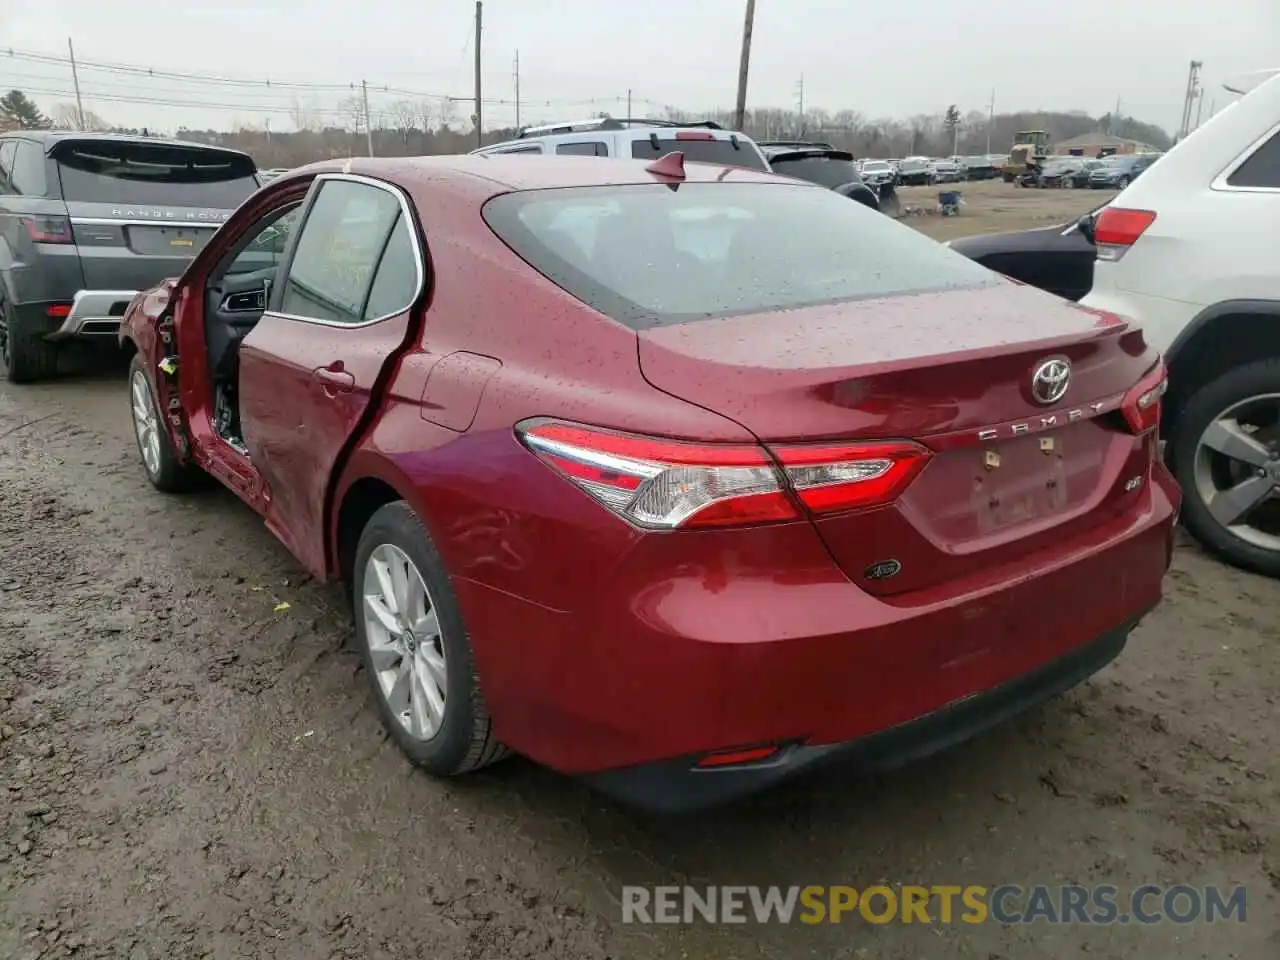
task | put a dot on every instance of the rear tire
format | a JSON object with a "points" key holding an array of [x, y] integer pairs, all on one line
{"points": [[1204, 406], [458, 736], [25, 355], [155, 446]]}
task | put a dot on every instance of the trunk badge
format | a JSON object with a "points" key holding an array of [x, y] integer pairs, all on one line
{"points": [[1050, 380], [883, 570]]}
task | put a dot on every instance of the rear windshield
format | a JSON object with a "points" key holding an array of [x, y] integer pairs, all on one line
{"points": [[825, 171], [647, 255], [704, 151], [154, 174]]}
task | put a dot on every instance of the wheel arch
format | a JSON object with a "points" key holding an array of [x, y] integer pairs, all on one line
{"points": [[368, 483], [1219, 338]]}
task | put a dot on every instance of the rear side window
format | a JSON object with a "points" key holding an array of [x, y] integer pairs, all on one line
{"points": [[7, 148], [531, 148], [647, 255], [28, 177], [342, 239], [395, 285], [592, 148], [1262, 169], [703, 151], [160, 174]]}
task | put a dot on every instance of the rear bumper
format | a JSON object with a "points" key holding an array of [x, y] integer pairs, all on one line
{"points": [[678, 655], [94, 313], [679, 786]]}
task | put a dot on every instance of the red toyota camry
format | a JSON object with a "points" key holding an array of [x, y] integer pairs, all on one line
{"points": [[681, 478]]}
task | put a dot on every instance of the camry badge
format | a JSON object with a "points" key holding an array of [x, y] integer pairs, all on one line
{"points": [[1050, 381]]}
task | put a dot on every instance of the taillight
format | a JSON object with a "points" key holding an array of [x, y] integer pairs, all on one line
{"points": [[668, 484], [664, 483], [1117, 229], [1141, 406], [851, 476], [48, 229], [694, 135]]}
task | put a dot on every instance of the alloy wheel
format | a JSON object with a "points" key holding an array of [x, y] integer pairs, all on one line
{"points": [[1237, 470], [406, 649], [146, 422]]}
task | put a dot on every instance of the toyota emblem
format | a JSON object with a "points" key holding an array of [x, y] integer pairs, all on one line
{"points": [[1050, 381]]}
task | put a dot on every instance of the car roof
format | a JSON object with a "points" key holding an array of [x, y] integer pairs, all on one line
{"points": [[508, 172], [50, 138], [589, 132]]}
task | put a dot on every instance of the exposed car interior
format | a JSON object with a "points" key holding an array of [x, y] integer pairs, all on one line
{"points": [[235, 298]]}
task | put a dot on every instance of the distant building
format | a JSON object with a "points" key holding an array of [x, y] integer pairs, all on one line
{"points": [[1090, 144], [7, 124]]}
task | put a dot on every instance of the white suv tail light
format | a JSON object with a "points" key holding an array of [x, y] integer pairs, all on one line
{"points": [[1118, 229]]}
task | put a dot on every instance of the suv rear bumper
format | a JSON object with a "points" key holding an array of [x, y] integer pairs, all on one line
{"points": [[94, 313]]}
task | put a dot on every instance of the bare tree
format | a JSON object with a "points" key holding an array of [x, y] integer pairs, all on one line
{"points": [[305, 116], [351, 110], [67, 116], [424, 116]]}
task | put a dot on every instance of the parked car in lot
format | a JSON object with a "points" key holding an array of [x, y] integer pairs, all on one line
{"points": [[877, 173], [915, 171], [1188, 251], [1060, 172], [752, 480], [1118, 171], [1058, 259], [87, 220], [979, 168], [820, 163], [946, 171], [642, 139]]}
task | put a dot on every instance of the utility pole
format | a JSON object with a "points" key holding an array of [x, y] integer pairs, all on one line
{"points": [[800, 96], [75, 82], [955, 140], [1189, 98], [368, 118], [991, 118], [517, 91], [479, 123], [1200, 109], [740, 114], [628, 101]]}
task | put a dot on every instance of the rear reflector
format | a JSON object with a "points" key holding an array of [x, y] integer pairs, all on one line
{"points": [[668, 484], [58, 310], [48, 229], [1117, 229], [736, 758], [1141, 405]]}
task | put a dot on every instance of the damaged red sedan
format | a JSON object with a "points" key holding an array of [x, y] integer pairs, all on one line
{"points": [[679, 478]]}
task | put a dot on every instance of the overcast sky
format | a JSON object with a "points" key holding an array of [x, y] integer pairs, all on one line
{"points": [[880, 57]]}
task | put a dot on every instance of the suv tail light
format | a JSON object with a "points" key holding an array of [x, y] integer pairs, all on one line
{"points": [[669, 484], [1141, 405], [48, 229], [1117, 229]]}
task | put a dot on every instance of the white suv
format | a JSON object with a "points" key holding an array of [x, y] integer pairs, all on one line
{"points": [[703, 141], [1192, 251]]}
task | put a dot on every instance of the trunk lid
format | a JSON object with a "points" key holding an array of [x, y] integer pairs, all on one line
{"points": [[1009, 475], [131, 247]]}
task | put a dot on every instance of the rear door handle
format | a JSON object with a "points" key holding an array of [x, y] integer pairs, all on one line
{"points": [[334, 379]]}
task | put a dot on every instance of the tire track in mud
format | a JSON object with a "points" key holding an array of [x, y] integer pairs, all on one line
{"points": [[187, 772]]}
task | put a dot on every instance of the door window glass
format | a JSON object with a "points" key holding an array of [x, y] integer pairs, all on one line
{"points": [[395, 285], [267, 246], [588, 148], [6, 164], [342, 240]]}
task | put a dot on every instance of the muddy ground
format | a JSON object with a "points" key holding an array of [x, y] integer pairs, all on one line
{"points": [[188, 771]]}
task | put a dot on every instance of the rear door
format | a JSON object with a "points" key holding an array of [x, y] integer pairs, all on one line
{"points": [[309, 369], [140, 211]]}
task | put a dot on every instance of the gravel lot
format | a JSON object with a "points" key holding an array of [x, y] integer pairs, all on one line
{"points": [[188, 771]]}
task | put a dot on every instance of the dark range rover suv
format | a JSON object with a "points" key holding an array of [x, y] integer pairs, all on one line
{"points": [[87, 220]]}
